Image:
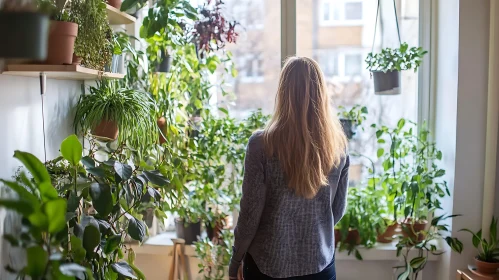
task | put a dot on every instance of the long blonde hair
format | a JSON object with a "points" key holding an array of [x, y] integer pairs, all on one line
{"points": [[303, 134]]}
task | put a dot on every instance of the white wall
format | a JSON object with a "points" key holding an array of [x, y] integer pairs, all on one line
{"points": [[21, 125]]}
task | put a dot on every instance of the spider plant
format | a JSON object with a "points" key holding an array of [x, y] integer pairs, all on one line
{"points": [[127, 109]]}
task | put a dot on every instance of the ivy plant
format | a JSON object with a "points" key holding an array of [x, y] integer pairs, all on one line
{"points": [[398, 59]]}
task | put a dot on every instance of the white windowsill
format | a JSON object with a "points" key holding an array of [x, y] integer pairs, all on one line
{"points": [[162, 244]]}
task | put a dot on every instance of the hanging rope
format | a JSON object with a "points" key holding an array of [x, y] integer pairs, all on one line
{"points": [[43, 80], [378, 14]]}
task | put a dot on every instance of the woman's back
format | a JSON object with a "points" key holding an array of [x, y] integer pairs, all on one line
{"points": [[295, 180]]}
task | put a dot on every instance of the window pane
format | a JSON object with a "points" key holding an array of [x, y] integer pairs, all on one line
{"points": [[256, 56], [326, 11], [353, 11], [340, 51]]}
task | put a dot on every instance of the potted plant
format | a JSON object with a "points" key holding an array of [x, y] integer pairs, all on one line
{"points": [[487, 260], [350, 225], [164, 62], [216, 221], [112, 112], [94, 42], [214, 256], [385, 67], [63, 31], [28, 27], [188, 222], [351, 119], [115, 3]]}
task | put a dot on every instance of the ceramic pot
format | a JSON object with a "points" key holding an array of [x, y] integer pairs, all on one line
{"points": [[106, 129], [62, 36], [387, 236], [353, 237], [386, 83], [486, 267], [25, 35], [165, 64], [187, 231], [413, 229], [115, 3]]}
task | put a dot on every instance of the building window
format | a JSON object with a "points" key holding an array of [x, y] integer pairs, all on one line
{"points": [[353, 64], [345, 12], [341, 64], [250, 68]]}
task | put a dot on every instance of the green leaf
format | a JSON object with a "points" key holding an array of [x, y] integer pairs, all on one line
{"points": [[102, 199], [91, 238], [22, 192], [417, 262], [56, 214], [73, 270], [77, 248], [156, 178], [379, 133], [455, 244], [405, 275], [97, 171], [123, 269], [47, 191], [136, 228], [112, 243], [476, 237], [440, 173], [380, 152], [138, 272], [37, 261], [71, 150], [73, 202], [38, 219], [20, 206], [223, 110], [34, 166], [401, 123], [123, 170], [131, 256], [358, 256], [88, 162]]}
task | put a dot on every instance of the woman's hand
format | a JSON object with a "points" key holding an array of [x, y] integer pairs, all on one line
{"points": [[239, 274]]}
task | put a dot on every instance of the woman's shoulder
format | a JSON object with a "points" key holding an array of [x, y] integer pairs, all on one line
{"points": [[255, 142]]}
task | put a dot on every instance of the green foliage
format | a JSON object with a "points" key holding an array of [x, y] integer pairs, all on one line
{"points": [[403, 58], [358, 114], [129, 108], [214, 256], [56, 9], [93, 43], [488, 249], [78, 228]]}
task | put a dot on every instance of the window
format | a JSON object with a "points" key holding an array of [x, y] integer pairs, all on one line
{"points": [[251, 68], [345, 12], [341, 52]]}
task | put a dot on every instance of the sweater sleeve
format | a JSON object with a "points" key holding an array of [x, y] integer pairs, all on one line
{"points": [[340, 198], [252, 202]]}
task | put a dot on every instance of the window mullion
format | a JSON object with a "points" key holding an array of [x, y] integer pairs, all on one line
{"points": [[288, 29]]}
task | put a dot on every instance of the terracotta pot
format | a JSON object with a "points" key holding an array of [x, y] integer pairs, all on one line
{"points": [[115, 3], [412, 230], [486, 267], [353, 237], [161, 125], [107, 129], [337, 237], [76, 59], [62, 36], [387, 236]]}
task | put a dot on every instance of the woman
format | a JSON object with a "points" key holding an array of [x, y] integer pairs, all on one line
{"points": [[295, 184]]}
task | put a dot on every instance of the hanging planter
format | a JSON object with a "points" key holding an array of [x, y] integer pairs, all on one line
{"points": [[351, 119], [26, 35], [62, 38], [386, 65], [165, 64]]}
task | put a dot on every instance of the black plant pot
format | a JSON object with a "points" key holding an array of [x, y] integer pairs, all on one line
{"points": [[165, 64], [349, 127], [386, 83], [187, 231], [148, 217], [24, 35]]}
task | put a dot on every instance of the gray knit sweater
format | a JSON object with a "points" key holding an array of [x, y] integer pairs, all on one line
{"points": [[286, 235]]}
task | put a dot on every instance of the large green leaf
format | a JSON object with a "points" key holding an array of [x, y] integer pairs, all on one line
{"points": [[34, 165], [37, 262], [123, 170], [73, 269], [417, 262], [156, 178], [47, 191], [91, 238], [123, 269], [77, 249], [102, 199], [136, 228], [112, 243], [56, 214], [71, 150]]}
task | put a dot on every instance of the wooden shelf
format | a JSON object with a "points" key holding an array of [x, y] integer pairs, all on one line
{"points": [[117, 17], [60, 72]]}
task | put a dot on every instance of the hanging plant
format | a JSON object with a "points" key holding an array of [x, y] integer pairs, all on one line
{"points": [[351, 119], [94, 42], [213, 30]]}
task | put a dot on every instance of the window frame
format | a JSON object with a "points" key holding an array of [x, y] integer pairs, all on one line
{"points": [[332, 4]]}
